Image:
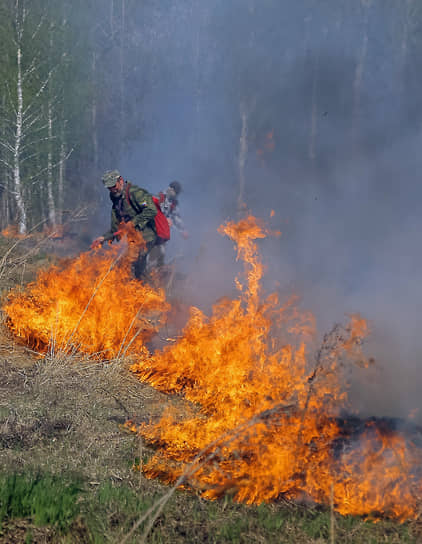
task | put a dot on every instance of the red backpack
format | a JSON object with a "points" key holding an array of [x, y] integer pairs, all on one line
{"points": [[162, 227]]}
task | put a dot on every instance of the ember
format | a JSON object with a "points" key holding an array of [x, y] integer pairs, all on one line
{"points": [[268, 425], [12, 231]]}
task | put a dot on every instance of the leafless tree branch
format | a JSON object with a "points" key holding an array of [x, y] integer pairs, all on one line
{"points": [[45, 169]]}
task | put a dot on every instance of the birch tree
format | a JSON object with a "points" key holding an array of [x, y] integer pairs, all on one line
{"points": [[34, 142], [51, 203], [360, 67], [25, 119], [15, 146]]}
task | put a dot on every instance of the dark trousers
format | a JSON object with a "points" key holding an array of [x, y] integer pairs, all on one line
{"points": [[139, 266]]}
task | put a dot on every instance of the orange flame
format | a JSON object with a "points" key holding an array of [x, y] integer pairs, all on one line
{"points": [[90, 303], [268, 423], [268, 145], [12, 231], [55, 232], [49, 231]]}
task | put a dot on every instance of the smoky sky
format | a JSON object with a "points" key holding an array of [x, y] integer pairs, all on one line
{"points": [[331, 91]]}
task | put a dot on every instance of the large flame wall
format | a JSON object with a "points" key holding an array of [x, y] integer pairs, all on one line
{"points": [[267, 426], [269, 403]]}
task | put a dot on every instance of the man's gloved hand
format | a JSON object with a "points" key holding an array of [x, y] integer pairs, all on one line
{"points": [[98, 242]]}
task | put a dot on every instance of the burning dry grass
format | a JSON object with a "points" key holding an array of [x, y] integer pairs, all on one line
{"points": [[89, 305], [62, 416], [269, 425]]}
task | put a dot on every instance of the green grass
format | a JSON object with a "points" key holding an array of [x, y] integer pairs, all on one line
{"points": [[45, 499], [111, 509], [79, 512]]}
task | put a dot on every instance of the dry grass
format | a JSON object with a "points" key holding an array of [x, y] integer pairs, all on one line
{"points": [[66, 413]]}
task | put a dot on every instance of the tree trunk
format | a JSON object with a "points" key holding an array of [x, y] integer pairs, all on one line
{"points": [[43, 195], [195, 137], [62, 166], [314, 111], [18, 190], [50, 195], [94, 114], [360, 67], [112, 17], [404, 45], [4, 180], [243, 151], [50, 192], [122, 119], [405, 35]]}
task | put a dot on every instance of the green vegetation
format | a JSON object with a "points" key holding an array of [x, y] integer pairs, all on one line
{"points": [[46, 499], [78, 511]]}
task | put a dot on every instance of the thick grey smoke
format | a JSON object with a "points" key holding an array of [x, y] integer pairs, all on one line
{"points": [[333, 109]]}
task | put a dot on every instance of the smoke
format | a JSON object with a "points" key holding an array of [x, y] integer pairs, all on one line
{"points": [[333, 116]]}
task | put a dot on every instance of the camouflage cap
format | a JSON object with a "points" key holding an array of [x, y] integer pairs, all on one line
{"points": [[110, 178]]}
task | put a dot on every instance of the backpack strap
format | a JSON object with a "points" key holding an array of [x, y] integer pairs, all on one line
{"points": [[129, 200]]}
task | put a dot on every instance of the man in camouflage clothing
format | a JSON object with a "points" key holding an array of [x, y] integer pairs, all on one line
{"points": [[130, 204]]}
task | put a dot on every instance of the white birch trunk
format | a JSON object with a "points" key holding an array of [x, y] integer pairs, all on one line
{"points": [[43, 195], [314, 112], [404, 45], [360, 67], [18, 189], [196, 132], [112, 17], [62, 167], [243, 151], [306, 35], [4, 189], [122, 76], [94, 114], [50, 192], [405, 35], [6, 207], [313, 131]]}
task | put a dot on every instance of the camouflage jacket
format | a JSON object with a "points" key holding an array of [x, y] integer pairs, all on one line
{"points": [[141, 211]]}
